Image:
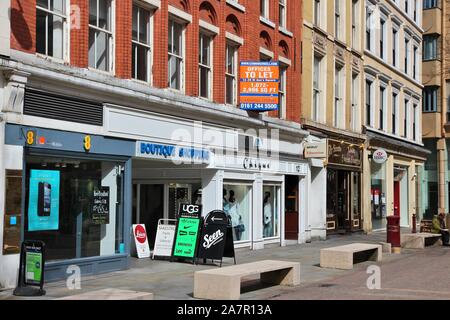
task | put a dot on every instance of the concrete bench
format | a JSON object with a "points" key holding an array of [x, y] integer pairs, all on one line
{"points": [[343, 257], [420, 240], [225, 283], [110, 294]]}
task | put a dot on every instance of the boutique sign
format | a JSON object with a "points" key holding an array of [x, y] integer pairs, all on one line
{"points": [[177, 154]]}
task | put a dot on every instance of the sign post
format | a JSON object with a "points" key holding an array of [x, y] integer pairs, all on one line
{"points": [[259, 85], [187, 231], [215, 238], [31, 269], [165, 235]]}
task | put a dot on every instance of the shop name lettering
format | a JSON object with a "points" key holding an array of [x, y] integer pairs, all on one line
{"points": [[168, 151], [256, 164], [213, 239]]}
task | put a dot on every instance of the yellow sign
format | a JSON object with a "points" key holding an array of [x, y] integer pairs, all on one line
{"points": [[87, 143]]}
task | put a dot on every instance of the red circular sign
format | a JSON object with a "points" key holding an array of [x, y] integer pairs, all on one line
{"points": [[139, 233]]}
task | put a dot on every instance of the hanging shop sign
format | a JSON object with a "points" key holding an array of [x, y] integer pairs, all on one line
{"points": [[141, 241], [165, 234], [380, 156], [259, 85], [187, 232], [43, 201], [343, 153], [315, 150], [172, 152], [31, 269], [100, 206]]}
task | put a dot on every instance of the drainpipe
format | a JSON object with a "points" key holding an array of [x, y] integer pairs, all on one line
{"points": [[441, 145]]}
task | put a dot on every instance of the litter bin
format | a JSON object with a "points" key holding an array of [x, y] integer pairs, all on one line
{"points": [[393, 233]]}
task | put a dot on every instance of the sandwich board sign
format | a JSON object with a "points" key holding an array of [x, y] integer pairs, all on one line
{"points": [[165, 234], [187, 232], [215, 237], [141, 241], [31, 269]]}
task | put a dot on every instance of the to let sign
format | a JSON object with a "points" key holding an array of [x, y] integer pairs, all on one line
{"points": [[259, 85]]}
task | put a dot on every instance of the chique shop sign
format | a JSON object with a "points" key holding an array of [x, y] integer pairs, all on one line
{"points": [[172, 152]]}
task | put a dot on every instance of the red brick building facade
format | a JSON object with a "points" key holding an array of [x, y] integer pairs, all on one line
{"points": [[240, 18]]}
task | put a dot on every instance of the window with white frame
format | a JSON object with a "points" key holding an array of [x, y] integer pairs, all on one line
{"points": [[383, 38], [205, 65], [355, 29], [231, 78], [415, 62], [140, 47], [317, 13], [369, 102], [337, 19], [264, 8], [176, 55], [369, 27], [51, 28], [338, 95], [317, 88], [415, 122], [355, 102], [382, 123], [407, 54], [395, 51], [100, 35], [282, 92], [430, 47], [394, 112], [406, 119], [282, 11]]}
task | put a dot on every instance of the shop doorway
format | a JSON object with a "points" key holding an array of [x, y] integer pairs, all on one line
{"points": [[401, 196], [154, 201], [291, 207], [397, 198]]}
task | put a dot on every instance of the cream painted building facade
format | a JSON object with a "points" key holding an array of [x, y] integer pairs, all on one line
{"points": [[363, 92]]}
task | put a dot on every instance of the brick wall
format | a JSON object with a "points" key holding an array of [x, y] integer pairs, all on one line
{"points": [[24, 35]]}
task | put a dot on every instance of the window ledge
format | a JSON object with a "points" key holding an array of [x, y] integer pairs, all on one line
{"points": [[155, 4], [285, 32], [267, 22], [236, 5], [52, 59]]}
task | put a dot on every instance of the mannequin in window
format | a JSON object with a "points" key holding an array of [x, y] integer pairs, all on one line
{"points": [[236, 219], [267, 216]]}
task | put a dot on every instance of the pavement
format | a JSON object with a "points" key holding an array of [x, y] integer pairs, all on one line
{"points": [[413, 274]]}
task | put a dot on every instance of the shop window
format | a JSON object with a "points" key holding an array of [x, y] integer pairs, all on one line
{"points": [[13, 212], [237, 201], [74, 206], [378, 195], [271, 211]]}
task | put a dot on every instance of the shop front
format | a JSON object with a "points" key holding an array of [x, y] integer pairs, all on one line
{"points": [[344, 174], [71, 191], [396, 175]]}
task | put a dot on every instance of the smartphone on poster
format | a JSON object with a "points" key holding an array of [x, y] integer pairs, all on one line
{"points": [[44, 199]]}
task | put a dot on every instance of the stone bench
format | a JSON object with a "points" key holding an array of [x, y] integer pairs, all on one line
{"points": [[225, 283], [110, 294], [420, 240], [343, 257]]}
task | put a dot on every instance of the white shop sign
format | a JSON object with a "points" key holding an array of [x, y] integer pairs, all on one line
{"points": [[141, 241], [380, 156], [165, 234]]}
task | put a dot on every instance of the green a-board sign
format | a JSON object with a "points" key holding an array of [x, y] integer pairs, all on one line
{"points": [[33, 267], [186, 237]]}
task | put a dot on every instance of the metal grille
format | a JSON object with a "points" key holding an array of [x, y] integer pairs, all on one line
{"points": [[49, 105]]}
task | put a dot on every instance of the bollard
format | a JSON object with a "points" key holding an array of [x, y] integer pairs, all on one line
{"points": [[414, 227]]}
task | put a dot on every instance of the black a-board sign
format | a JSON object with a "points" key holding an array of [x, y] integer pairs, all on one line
{"points": [[216, 239], [100, 206], [31, 269], [187, 231]]}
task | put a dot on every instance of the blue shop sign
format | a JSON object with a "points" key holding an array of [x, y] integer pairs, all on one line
{"points": [[171, 152]]}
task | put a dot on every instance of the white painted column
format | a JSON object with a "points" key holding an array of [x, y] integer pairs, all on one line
{"points": [[257, 213], [304, 192], [108, 231], [212, 190]]}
